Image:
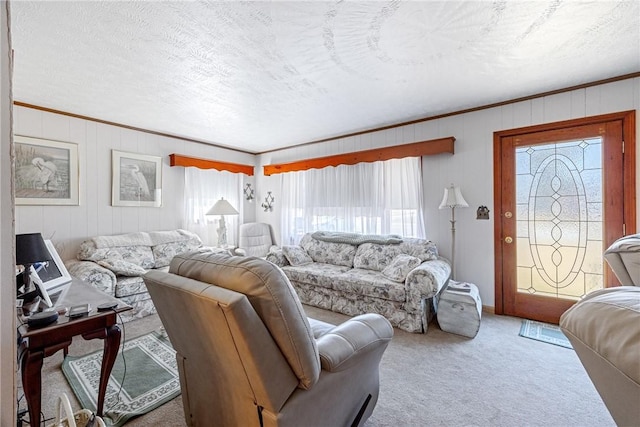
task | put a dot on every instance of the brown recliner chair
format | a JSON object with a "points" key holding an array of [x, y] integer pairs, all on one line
{"points": [[623, 257], [247, 354], [604, 329]]}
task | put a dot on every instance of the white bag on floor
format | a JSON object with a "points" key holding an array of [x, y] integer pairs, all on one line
{"points": [[81, 418]]}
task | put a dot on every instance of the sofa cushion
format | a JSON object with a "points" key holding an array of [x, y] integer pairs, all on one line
{"points": [[139, 255], [296, 255], [328, 252], [131, 247], [400, 266], [317, 273], [167, 244], [130, 286], [373, 256], [277, 257], [123, 268], [127, 286], [424, 249], [369, 283]]}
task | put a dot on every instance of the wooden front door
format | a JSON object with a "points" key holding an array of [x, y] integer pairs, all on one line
{"points": [[562, 195]]}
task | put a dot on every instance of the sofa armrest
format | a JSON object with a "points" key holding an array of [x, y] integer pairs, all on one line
{"points": [[425, 281], [348, 343], [89, 271]]}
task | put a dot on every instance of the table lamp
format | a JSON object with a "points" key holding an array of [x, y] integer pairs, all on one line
{"points": [[222, 208], [30, 249]]}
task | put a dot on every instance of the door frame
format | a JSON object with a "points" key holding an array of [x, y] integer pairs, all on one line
{"points": [[629, 196]]}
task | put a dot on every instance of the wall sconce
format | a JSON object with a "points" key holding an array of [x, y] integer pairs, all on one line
{"points": [[268, 202], [482, 213], [248, 192]]}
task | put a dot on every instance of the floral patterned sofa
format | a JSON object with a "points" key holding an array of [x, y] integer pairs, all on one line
{"points": [[116, 264], [354, 274]]}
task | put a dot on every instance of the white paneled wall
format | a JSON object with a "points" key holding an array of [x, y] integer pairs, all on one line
{"points": [[471, 167], [68, 226]]}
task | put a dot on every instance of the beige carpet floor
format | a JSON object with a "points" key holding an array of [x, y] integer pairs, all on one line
{"points": [[438, 379]]}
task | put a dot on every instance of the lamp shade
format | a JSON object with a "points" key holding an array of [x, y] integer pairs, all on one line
{"points": [[30, 248], [222, 207], [453, 198]]}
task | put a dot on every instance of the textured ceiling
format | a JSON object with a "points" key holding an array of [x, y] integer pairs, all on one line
{"points": [[265, 75]]}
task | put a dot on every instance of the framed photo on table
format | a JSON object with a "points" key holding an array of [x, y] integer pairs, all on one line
{"points": [[137, 179], [53, 274], [46, 172]]}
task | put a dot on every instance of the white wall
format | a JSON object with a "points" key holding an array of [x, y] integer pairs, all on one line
{"points": [[7, 239], [68, 226], [471, 167]]}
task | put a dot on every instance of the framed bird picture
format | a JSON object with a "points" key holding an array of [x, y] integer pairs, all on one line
{"points": [[137, 179], [46, 172]]}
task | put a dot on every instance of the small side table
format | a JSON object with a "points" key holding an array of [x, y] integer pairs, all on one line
{"points": [[460, 309], [36, 344]]}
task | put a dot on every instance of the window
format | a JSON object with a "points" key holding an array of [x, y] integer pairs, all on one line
{"points": [[203, 188], [369, 198]]}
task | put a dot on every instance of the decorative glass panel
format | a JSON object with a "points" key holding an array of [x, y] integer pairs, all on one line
{"points": [[559, 218]]}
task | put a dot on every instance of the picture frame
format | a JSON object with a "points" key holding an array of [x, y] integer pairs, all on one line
{"points": [[46, 172], [136, 180], [53, 274]]}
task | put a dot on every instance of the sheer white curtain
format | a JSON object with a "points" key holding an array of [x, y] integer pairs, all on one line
{"points": [[370, 198], [202, 189]]}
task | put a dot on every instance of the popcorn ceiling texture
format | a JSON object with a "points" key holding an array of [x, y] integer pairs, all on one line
{"points": [[264, 75]]}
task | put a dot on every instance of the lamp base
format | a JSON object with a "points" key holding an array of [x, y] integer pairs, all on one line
{"points": [[222, 232]]}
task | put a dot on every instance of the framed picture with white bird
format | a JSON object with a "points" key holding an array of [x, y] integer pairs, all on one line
{"points": [[46, 172], [137, 179]]}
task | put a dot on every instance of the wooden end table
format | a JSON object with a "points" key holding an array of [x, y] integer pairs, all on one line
{"points": [[37, 343]]}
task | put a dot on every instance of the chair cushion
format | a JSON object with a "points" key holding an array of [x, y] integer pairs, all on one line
{"points": [[271, 296], [255, 238]]}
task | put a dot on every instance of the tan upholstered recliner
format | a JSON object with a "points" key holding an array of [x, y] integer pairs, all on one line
{"points": [[255, 239], [604, 329], [624, 258], [247, 354]]}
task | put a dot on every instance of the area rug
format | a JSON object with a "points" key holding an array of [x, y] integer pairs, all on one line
{"points": [[145, 378], [544, 332]]}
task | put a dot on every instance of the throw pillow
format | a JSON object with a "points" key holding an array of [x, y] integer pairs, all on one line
{"points": [[401, 265], [123, 268], [296, 255]]}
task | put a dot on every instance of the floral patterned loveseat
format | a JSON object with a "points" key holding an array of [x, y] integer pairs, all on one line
{"points": [[116, 264], [354, 274]]}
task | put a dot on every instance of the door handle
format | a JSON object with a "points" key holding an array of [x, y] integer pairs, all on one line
{"points": [[508, 239]]}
